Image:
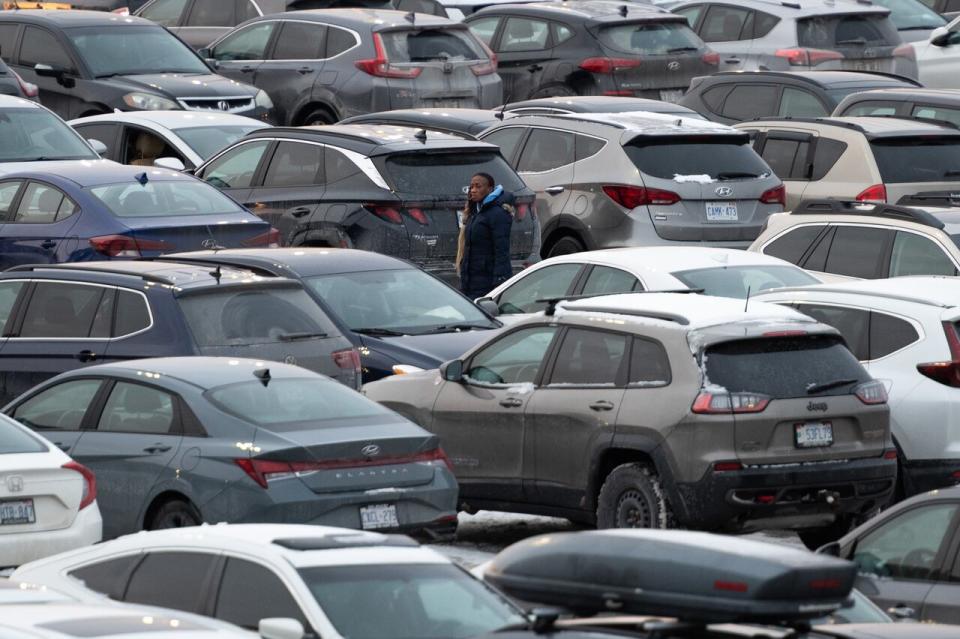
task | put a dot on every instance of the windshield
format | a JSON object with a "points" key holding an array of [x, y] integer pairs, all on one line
{"points": [[407, 601], [407, 301], [134, 50], [862, 611], [31, 134], [452, 45], [735, 281], [284, 403], [163, 199], [447, 174], [14, 439], [918, 159], [651, 38], [912, 14], [704, 155], [207, 140]]}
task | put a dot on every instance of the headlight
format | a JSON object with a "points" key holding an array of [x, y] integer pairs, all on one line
{"points": [[263, 100], [148, 102]]}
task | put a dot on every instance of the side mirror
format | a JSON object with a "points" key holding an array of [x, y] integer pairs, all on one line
{"points": [[173, 164], [452, 371], [207, 54], [832, 549], [48, 71], [97, 146], [489, 306], [940, 37], [280, 628]]}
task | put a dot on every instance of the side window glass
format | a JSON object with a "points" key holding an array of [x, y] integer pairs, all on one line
{"points": [[763, 23], [856, 251], [9, 291], [338, 41], [916, 255], [235, 168], [165, 12], [40, 204], [793, 244], [133, 408], [239, 604], [507, 139], [8, 40], [300, 41], [905, 548], [750, 101], [106, 133], [485, 28], [176, 580], [8, 192], [592, 358], [780, 154], [937, 113], [798, 103], [889, 334], [522, 34], [691, 13], [544, 283], [60, 407], [871, 108], [587, 147], [103, 318], [249, 43], [107, 577], [853, 324], [132, 313], [337, 166], [561, 33], [295, 164], [546, 150], [39, 46], [723, 23], [649, 365], [714, 96], [515, 359], [245, 11], [142, 147], [61, 310], [212, 13], [825, 156], [604, 280]]}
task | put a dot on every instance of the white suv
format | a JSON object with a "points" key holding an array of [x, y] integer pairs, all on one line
{"points": [[905, 331]]}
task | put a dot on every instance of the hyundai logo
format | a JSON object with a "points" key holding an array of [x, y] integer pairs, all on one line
{"points": [[290, 359], [819, 406], [869, 53], [15, 483], [723, 191], [223, 105], [448, 67], [673, 66], [209, 244], [370, 450]]}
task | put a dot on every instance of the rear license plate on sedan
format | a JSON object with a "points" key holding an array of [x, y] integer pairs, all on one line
{"points": [[865, 65], [379, 516], [671, 95], [18, 511], [813, 434], [722, 212]]}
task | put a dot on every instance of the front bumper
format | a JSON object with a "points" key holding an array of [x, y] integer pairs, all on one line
{"points": [[790, 496], [922, 475]]}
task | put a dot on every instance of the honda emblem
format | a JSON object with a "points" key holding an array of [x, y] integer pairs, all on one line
{"points": [[15, 483]]}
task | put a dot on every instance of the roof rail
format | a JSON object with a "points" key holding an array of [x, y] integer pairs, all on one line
{"points": [[887, 74], [576, 117], [944, 199], [552, 302], [826, 288], [830, 120], [895, 116], [149, 277], [868, 209], [328, 130]]}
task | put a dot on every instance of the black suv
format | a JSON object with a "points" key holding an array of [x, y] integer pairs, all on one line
{"points": [[391, 189], [92, 62], [592, 47]]}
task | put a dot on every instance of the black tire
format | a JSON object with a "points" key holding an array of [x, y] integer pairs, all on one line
{"points": [[632, 497], [318, 117], [813, 538], [174, 514], [554, 91], [565, 245]]}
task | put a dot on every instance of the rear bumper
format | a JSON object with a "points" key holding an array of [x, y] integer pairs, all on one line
{"points": [[727, 501], [19, 548], [923, 475]]}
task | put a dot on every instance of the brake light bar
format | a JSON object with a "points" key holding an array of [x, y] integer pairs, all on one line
{"points": [[875, 193], [721, 403], [381, 67]]}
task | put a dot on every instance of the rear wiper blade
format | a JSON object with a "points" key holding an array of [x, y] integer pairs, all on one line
{"points": [[378, 332], [860, 40], [951, 173], [813, 389], [289, 337], [733, 175]]}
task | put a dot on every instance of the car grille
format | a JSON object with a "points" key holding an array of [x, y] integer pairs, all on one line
{"points": [[235, 104]]}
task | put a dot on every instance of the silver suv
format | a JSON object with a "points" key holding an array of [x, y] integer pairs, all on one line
{"points": [[799, 35], [639, 179]]}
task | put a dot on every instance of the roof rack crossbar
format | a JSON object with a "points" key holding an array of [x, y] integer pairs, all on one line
{"points": [[149, 277], [871, 209], [552, 302]]}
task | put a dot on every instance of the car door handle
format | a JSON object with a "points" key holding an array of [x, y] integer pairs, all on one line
{"points": [[300, 211], [48, 244], [533, 68], [732, 60], [304, 70], [156, 448], [247, 69], [554, 190], [511, 402], [86, 356], [601, 405], [901, 611]]}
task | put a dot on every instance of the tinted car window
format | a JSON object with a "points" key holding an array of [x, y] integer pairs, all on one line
{"points": [[8, 192], [8, 39], [32, 133], [750, 101], [175, 580], [651, 38], [853, 324], [249, 43], [59, 407], [937, 113], [294, 164], [703, 155], [544, 283], [108, 577], [763, 23], [546, 150], [165, 12], [736, 281], [856, 251], [905, 547], [589, 358], [132, 313], [207, 140], [163, 199], [447, 173], [889, 334], [236, 167], [39, 46], [604, 280], [907, 14], [338, 41], [300, 41], [916, 255], [723, 23], [830, 32], [561, 33], [134, 408], [14, 440], [799, 103], [134, 49], [485, 28], [507, 139], [244, 606], [212, 13], [793, 244], [514, 359], [649, 365], [522, 34], [337, 167], [782, 155], [917, 159], [42, 204], [245, 11], [106, 133], [825, 155], [588, 147], [431, 45], [9, 291], [817, 258], [872, 108], [61, 310]]}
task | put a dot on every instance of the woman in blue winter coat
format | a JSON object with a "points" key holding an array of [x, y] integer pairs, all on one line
{"points": [[483, 255]]}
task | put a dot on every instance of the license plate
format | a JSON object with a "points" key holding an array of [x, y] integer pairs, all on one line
{"points": [[814, 434], [722, 212], [15, 512], [865, 65], [671, 95], [379, 516], [446, 104]]}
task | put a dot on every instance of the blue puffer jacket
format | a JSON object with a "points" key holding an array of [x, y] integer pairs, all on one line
{"points": [[486, 258]]}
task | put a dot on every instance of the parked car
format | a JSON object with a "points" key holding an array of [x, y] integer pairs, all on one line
{"points": [[870, 159], [396, 315], [322, 66], [48, 502], [143, 137], [864, 240], [906, 555], [658, 409], [737, 96], [800, 35], [315, 452], [63, 317], [720, 272], [639, 179], [78, 212], [596, 104], [914, 19], [919, 103], [596, 47], [121, 7], [319, 575], [394, 190], [904, 332], [90, 62], [463, 122]]}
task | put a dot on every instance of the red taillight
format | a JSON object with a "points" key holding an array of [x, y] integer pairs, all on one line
{"points": [[29, 88], [708, 403], [121, 12], [347, 359], [712, 58], [419, 216], [776, 195], [269, 239], [890, 454], [126, 246], [872, 392], [381, 67], [727, 467], [630, 197], [905, 51], [89, 483], [522, 210], [825, 584], [730, 586], [620, 93], [488, 66], [946, 373], [609, 65], [875, 193], [807, 57], [387, 213]]}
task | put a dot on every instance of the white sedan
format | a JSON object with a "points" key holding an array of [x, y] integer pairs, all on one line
{"points": [[938, 57], [48, 502]]}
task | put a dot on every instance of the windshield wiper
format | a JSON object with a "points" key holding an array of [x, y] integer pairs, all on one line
{"points": [[289, 337], [449, 328], [813, 389], [378, 332], [733, 175]]}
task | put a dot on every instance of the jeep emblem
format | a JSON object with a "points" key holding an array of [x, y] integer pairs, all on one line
{"points": [[818, 406]]}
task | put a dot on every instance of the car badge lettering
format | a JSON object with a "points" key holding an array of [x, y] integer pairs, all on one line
{"points": [[673, 66], [723, 191], [370, 450], [15, 483], [818, 406]]}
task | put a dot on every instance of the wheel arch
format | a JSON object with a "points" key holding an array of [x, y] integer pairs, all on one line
{"points": [[162, 499]]}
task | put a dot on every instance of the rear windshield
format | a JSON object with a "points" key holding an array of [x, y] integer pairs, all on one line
{"points": [[253, 316], [16, 440], [828, 32], [207, 140], [735, 281], [651, 38], [432, 174], [719, 157], [430, 45], [918, 159], [36, 134], [783, 367], [837, 94], [292, 401], [163, 199]]}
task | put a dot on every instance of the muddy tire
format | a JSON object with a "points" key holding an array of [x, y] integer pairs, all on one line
{"points": [[174, 514], [632, 497], [813, 538]]}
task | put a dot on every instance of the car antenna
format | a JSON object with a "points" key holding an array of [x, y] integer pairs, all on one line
{"points": [[503, 109], [217, 274], [746, 302], [142, 178], [263, 374], [421, 135], [411, 17], [623, 10]]}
